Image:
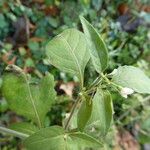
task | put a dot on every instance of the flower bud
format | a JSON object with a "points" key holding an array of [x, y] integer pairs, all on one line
{"points": [[126, 91]]}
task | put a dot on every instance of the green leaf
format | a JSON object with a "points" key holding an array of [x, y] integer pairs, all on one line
{"points": [[144, 137], [25, 98], [68, 52], [97, 4], [145, 125], [24, 127], [102, 113], [34, 46], [84, 113], [53, 22], [132, 77], [29, 62], [4, 23], [144, 133], [98, 50], [3, 105], [55, 138]]}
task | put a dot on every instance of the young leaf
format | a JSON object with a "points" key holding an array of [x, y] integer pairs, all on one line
{"points": [[24, 127], [55, 138], [84, 113], [98, 50], [132, 77], [102, 112], [68, 52], [27, 99]]}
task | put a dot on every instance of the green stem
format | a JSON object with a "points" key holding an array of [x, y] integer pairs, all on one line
{"points": [[105, 78], [14, 133], [109, 82], [94, 82], [72, 112], [90, 90]]}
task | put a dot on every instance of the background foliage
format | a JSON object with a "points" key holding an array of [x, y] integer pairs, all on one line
{"points": [[25, 28]]}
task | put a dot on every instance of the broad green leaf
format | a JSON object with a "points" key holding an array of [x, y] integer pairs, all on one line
{"points": [[132, 77], [84, 112], [97, 47], [55, 138], [102, 113], [68, 52], [27, 99], [24, 127]]}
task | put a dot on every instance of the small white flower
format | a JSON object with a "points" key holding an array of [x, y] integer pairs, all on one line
{"points": [[113, 72], [126, 91], [67, 115]]}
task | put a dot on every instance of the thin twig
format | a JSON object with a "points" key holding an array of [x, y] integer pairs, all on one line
{"points": [[94, 82], [72, 112], [14, 133]]}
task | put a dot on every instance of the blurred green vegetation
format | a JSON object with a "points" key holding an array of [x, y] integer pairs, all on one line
{"points": [[27, 25]]}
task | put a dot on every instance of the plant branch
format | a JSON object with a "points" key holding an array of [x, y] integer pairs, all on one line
{"points": [[72, 112], [94, 82], [109, 82], [105, 78], [14, 133]]}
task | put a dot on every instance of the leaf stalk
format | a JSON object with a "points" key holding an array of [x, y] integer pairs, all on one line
{"points": [[72, 112], [14, 133]]}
